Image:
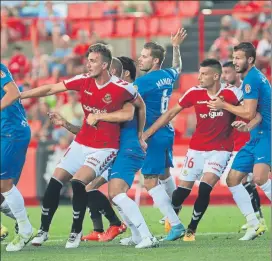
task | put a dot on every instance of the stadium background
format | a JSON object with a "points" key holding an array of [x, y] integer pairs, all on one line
{"points": [[44, 42]]}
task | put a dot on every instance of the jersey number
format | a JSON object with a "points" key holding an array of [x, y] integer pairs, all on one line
{"points": [[164, 101], [189, 163]]}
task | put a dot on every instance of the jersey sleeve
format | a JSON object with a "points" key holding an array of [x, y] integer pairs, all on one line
{"points": [[75, 83], [132, 92], [173, 73], [238, 95], [250, 89], [6, 76], [187, 100]]}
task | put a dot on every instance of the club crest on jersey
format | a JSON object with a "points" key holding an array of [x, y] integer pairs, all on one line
{"points": [[107, 98], [247, 88], [3, 75]]}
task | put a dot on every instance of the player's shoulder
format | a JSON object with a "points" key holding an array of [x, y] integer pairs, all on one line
{"points": [[4, 70], [123, 85], [78, 77], [231, 90], [196, 88]]}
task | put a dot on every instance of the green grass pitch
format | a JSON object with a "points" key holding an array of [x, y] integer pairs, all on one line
{"points": [[216, 240]]}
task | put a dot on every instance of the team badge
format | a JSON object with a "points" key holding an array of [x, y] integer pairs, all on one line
{"points": [[247, 88], [185, 172], [135, 87], [3, 75], [107, 98]]}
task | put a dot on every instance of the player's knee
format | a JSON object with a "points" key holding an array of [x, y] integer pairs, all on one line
{"points": [[232, 179], [150, 181], [204, 190], [259, 180]]}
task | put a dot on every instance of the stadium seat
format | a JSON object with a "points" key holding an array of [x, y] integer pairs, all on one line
{"points": [[79, 10], [174, 99], [188, 8], [79, 25], [124, 27], [97, 9], [169, 25], [165, 8], [103, 28], [187, 81], [148, 26]]}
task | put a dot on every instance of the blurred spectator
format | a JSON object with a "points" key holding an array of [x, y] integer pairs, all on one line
{"points": [[19, 65], [56, 63], [112, 7], [29, 8], [76, 63], [52, 25], [72, 111], [135, 7], [222, 47], [37, 63]]}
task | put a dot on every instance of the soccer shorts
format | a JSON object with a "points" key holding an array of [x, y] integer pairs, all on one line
{"points": [[126, 165], [199, 162], [229, 166], [78, 155], [254, 152], [159, 155], [13, 155]]}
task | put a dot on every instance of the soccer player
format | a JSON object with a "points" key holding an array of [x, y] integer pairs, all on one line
{"points": [[156, 87], [211, 144], [15, 137], [94, 147], [231, 77], [255, 156]]}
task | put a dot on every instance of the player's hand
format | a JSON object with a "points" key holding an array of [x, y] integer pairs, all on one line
{"points": [[56, 119], [216, 104], [240, 126], [143, 144], [179, 37], [92, 119]]}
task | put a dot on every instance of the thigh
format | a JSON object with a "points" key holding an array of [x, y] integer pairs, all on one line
{"points": [[72, 159], [210, 178], [216, 162], [262, 150], [193, 166], [96, 183], [125, 167], [244, 160]]}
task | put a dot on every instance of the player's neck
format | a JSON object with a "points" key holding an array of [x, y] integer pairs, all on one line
{"points": [[103, 78], [248, 69], [238, 83], [213, 90], [155, 68]]}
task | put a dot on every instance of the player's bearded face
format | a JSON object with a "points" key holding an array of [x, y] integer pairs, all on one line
{"points": [[95, 64], [229, 75], [240, 61], [145, 61]]}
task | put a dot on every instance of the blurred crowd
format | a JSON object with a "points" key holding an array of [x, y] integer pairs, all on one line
{"points": [[68, 59]]}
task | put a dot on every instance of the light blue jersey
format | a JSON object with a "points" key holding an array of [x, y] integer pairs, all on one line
{"points": [[14, 123], [156, 89], [258, 149]]}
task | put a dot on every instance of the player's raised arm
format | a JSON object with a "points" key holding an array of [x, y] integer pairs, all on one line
{"points": [[162, 121], [12, 94], [177, 40], [58, 120], [44, 90]]}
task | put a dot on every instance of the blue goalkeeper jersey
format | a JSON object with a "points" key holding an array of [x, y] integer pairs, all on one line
{"points": [[156, 89], [256, 86], [14, 123]]}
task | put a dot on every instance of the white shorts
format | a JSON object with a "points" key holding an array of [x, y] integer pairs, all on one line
{"points": [[228, 168], [199, 162], [78, 155]]}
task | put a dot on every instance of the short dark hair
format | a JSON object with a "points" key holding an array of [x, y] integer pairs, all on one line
{"points": [[129, 65], [213, 63], [248, 48], [228, 64], [103, 50], [157, 51], [117, 65]]}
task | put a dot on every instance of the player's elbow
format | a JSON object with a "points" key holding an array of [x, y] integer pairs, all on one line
{"points": [[250, 115], [129, 116]]}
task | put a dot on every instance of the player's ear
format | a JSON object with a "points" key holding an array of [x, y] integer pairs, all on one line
{"points": [[105, 65], [156, 61], [216, 76], [250, 60]]}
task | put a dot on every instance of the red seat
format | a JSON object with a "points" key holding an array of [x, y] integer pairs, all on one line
{"points": [[147, 26], [79, 25], [188, 8], [187, 81], [103, 28], [165, 7], [97, 9], [124, 27], [79, 10], [169, 25]]}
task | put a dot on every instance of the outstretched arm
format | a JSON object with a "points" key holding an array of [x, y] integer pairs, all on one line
{"points": [[12, 94], [162, 121], [44, 90], [246, 127], [177, 40]]}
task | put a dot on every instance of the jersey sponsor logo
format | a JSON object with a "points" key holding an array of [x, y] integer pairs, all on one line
{"points": [[247, 88], [201, 102], [107, 98], [164, 81], [93, 109], [214, 114], [89, 93], [3, 75]]}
